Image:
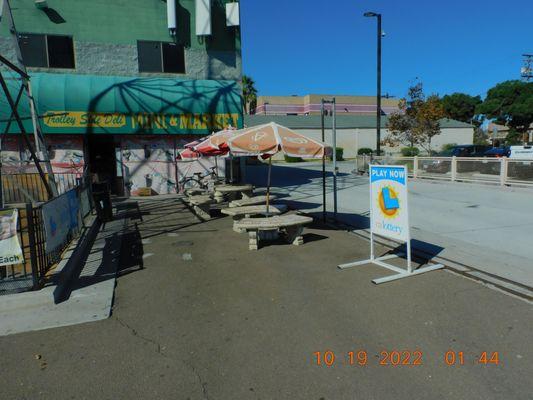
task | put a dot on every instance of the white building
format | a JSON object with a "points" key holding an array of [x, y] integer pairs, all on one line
{"points": [[356, 132]]}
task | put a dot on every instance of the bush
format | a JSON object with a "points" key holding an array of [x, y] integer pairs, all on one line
{"points": [[292, 159], [339, 152], [410, 151], [448, 146], [365, 151]]}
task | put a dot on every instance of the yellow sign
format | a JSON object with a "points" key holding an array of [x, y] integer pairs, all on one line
{"points": [[144, 121], [80, 119]]}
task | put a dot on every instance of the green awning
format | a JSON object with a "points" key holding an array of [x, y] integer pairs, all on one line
{"points": [[85, 104]]}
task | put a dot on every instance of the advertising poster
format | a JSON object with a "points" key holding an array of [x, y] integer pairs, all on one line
{"points": [[60, 216], [10, 251], [389, 215]]}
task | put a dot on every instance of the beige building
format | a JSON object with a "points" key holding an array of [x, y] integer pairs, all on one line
{"points": [[356, 132], [499, 132], [311, 105]]}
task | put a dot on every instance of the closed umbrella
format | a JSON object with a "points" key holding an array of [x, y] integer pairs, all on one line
{"points": [[267, 140]]}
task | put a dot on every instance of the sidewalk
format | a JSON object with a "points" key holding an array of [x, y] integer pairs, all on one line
{"points": [[86, 297]]}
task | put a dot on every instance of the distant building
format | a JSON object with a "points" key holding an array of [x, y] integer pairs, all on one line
{"points": [[311, 105], [355, 131], [499, 133]]}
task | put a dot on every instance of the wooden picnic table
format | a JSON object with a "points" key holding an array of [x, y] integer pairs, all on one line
{"points": [[232, 191]]}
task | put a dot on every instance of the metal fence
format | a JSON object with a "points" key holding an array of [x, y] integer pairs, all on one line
{"points": [[501, 171], [28, 187], [31, 274]]}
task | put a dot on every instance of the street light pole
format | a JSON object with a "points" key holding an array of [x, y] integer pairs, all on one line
{"points": [[378, 95]]}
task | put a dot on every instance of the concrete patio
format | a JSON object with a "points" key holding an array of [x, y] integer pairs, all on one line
{"points": [[197, 315]]}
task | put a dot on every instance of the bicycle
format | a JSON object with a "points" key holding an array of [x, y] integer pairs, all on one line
{"points": [[200, 181]]}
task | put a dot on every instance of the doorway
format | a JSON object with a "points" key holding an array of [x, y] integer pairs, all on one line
{"points": [[103, 163]]}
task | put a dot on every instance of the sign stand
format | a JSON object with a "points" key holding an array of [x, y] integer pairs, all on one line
{"points": [[389, 218]]}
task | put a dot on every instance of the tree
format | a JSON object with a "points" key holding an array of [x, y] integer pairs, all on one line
{"points": [[249, 93], [417, 120], [462, 107], [510, 103]]}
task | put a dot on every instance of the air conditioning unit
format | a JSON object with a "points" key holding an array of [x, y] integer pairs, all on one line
{"points": [[203, 17], [233, 14]]}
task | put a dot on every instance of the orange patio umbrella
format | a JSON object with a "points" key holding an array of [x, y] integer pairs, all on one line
{"points": [[267, 140]]}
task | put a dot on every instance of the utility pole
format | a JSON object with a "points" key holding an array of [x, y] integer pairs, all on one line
{"points": [[527, 69], [323, 165], [334, 157], [371, 14], [40, 154]]}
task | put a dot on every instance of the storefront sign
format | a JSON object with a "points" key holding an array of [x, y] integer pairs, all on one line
{"points": [[10, 251], [389, 215], [147, 122]]}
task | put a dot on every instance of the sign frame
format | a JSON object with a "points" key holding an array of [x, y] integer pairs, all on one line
{"points": [[389, 197]]}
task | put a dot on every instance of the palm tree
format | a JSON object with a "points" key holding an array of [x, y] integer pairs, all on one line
{"points": [[249, 93]]}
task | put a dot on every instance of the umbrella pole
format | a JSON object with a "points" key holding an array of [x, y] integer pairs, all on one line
{"points": [[268, 186]]}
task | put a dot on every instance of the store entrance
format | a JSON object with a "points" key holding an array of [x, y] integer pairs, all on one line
{"points": [[102, 162]]}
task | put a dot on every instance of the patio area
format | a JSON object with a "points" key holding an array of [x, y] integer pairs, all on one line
{"points": [[199, 316]]}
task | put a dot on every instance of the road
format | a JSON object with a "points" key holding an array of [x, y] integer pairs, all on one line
{"points": [[205, 318], [486, 227]]}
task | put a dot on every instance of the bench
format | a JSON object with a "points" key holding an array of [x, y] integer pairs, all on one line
{"points": [[239, 213], [232, 191], [252, 201], [201, 205], [292, 226], [196, 192]]}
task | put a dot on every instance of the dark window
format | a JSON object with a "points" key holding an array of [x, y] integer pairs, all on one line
{"points": [[149, 56], [161, 57], [60, 52], [33, 48], [173, 58], [47, 51]]}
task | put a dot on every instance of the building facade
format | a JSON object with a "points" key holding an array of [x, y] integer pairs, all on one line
{"points": [[311, 105], [121, 85]]}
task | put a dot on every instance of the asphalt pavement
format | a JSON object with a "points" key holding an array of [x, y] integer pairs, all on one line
{"points": [[487, 227], [197, 315]]}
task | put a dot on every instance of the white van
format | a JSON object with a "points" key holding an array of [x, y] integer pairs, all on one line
{"points": [[521, 152]]}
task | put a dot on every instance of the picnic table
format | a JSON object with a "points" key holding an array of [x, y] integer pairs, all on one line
{"points": [[251, 201], [201, 205], [239, 213], [291, 225], [232, 191]]}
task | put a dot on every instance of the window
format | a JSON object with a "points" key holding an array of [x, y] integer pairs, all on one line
{"points": [[47, 51], [161, 57]]}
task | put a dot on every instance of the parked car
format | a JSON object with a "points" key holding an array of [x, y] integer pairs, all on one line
{"points": [[498, 152], [466, 150]]}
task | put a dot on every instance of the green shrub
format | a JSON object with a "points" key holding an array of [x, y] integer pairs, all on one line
{"points": [[339, 153], [292, 159], [410, 151], [365, 151], [448, 146]]}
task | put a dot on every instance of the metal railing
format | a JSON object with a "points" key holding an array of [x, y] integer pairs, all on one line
{"points": [[31, 274], [24, 187], [501, 171]]}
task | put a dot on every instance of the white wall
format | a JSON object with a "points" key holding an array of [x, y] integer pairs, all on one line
{"points": [[353, 139]]}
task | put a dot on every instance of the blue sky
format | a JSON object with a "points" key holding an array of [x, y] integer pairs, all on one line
{"points": [[327, 46]]}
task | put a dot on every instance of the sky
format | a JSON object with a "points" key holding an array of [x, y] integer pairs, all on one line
{"points": [[297, 47]]}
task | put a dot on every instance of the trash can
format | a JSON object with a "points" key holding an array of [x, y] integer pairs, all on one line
{"points": [[102, 201]]}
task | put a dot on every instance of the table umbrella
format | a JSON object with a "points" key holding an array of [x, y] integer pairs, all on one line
{"points": [[267, 140], [188, 154]]}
